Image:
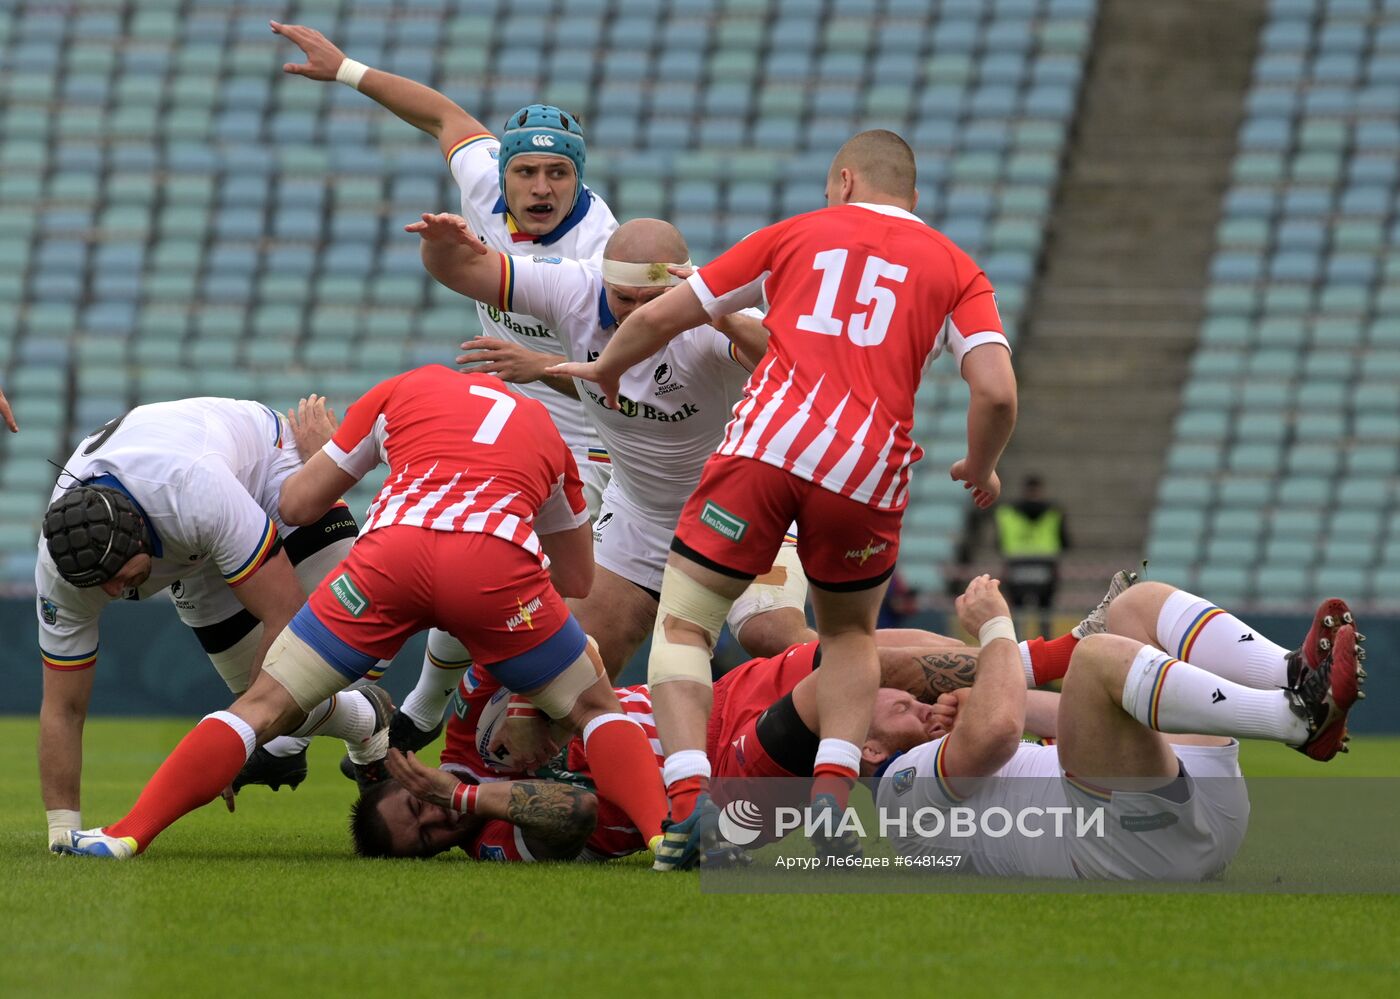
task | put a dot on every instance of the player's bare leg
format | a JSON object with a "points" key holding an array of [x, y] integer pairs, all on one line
{"points": [[768, 633], [846, 686], [211, 755], [619, 615]]}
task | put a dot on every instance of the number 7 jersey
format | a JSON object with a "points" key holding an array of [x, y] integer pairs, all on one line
{"points": [[464, 454], [861, 297]]}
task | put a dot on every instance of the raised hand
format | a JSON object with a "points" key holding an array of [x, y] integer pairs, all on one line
{"points": [[313, 423], [323, 59], [446, 228]]}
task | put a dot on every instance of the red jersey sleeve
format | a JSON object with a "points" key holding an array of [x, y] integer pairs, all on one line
{"points": [[734, 280], [358, 444], [974, 319], [500, 841]]}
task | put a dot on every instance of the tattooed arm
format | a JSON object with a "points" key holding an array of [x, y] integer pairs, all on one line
{"points": [[555, 820], [927, 672]]}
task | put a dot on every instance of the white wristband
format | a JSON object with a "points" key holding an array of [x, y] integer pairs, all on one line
{"points": [[351, 72], [997, 627], [62, 821]]}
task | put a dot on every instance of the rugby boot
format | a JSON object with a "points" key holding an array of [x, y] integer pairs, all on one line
{"points": [[827, 839], [682, 843], [1324, 695], [1096, 622], [1331, 614], [96, 843], [273, 771], [406, 736]]}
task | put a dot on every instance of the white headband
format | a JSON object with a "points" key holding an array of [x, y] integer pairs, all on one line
{"points": [[640, 275]]}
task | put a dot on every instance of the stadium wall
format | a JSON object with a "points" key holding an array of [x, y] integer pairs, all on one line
{"points": [[150, 664]]}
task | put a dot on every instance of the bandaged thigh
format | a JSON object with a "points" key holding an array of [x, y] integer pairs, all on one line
{"points": [[301, 670], [682, 598], [558, 697], [784, 585]]}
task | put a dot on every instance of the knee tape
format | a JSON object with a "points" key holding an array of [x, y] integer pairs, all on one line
{"points": [[298, 668], [784, 585], [684, 598], [560, 695]]}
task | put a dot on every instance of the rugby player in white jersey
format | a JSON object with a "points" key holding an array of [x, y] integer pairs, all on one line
{"points": [[1175, 805], [524, 193], [184, 495], [670, 419]]}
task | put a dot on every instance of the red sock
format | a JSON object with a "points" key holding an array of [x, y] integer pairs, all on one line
{"points": [[684, 793], [1050, 657], [835, 780], [625, 772], [201, 766]]}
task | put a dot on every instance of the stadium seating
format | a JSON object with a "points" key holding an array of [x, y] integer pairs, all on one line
{"points": [[177, 216], [1279, 486]]}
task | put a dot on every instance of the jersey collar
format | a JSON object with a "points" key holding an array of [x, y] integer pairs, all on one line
{"points": [[580, 210], [110, 480], [894, 210], [606, 319], [880, 771]]}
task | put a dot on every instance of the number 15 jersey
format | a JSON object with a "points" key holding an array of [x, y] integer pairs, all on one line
{"points": [[464, 454], [860, 297]]}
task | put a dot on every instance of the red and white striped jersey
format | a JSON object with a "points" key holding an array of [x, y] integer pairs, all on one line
{"points": [[464, 454], [861, 297]]}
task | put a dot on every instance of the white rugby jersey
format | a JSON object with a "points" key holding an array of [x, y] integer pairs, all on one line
{"points": [[1031, 779], [474, 164], [672, 410], [206, 474]]}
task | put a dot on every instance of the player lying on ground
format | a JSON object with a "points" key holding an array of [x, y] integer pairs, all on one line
{"points": [[481, 494], [182, 495], [763, 726], [524, 194], [1176, 805], [669, 420], [861, 295]]}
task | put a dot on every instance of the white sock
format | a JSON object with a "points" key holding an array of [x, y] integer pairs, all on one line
{"points": [[347, 715], [1169, 695], [244, 730], [685, 763], [444, 664], [838, 753], [1025, 648], [286, 745], [1196, 631], [369, 750]]}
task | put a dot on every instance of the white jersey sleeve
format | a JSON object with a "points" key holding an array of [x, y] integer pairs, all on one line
{"points": [[552, 290], [473, 162], [228, 524]]}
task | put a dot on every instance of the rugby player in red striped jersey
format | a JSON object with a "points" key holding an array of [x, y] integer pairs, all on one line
{"points": [[861, 294]]}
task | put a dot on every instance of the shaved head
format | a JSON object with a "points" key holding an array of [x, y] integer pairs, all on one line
{"points": [[880, 160], [646, 241]]}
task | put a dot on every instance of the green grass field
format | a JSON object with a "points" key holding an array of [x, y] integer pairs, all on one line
{"points": [[270, 902]]}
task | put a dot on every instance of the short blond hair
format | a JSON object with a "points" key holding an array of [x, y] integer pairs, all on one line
{"points": [[881, 159]]}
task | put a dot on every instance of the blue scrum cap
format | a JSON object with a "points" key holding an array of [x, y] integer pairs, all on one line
{"points": [[546, 130]]}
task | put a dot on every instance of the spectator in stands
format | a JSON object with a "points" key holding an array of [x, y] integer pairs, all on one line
{"points": [[1031, 536]]}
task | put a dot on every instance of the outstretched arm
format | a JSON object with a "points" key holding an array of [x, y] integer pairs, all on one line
{"points": [[422, 107], [641, 335], [457, 259]]}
